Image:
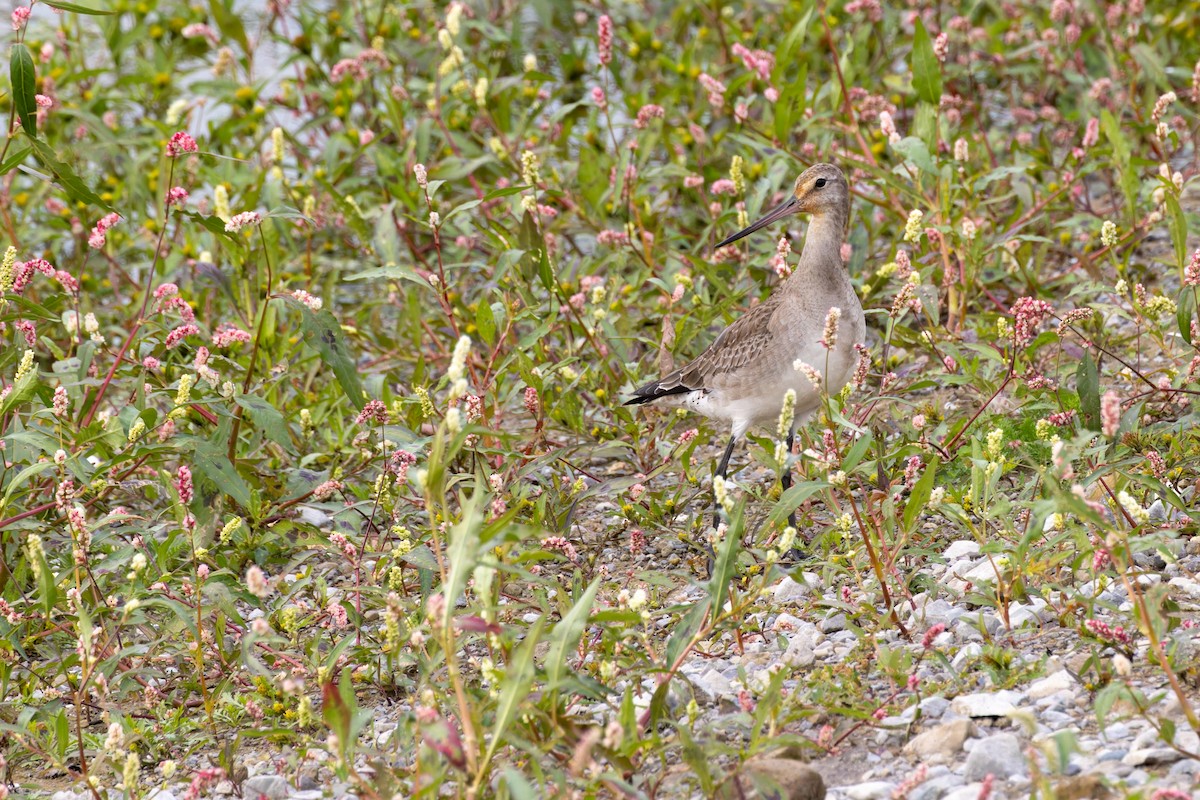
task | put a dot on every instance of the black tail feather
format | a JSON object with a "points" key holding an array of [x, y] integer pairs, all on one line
{"points": [[654, 391]]}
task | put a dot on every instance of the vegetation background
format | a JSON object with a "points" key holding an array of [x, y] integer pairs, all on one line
{"points": [[317, 318]]}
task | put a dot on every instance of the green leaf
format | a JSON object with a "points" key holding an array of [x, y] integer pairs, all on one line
{"points": [[1087, 385], [724, 565], [1121, 155], [229, 23], [518, 786], [914, 150], [1177, 224], [267, 419], [686, 629], [24, 81], [790, 500], [926, 71], [565, 636], [920, 494], [507, 191], [1185, 310], [391, 272], [80, 8], [12, 161], [422, 557], [467, 206], [485, 322], [514, 690], [22, 391], [71, 183], [213, 225], [462, 552], [212, 463], [322, 332]]}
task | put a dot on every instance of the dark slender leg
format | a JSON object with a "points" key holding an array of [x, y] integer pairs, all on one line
{"points": [[794, 555], [786, 478], [722, 471]]}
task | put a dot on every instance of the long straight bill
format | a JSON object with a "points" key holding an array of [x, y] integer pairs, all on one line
{"points": [[788, 206]]}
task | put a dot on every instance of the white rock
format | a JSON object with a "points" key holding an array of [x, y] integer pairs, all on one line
{"points": [[1020, 614], [873, 790], [1051, 684], [963, 548], [999, 755], [986, 704], [787, 622], [965, 654], [941, 742], [788, 591], [983, 571], [802, 640], [274, 787], [1188, 586], [968, 792], [714, 684]]}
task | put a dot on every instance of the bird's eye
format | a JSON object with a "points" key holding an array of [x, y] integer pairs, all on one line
{"points": [[820, 184]]}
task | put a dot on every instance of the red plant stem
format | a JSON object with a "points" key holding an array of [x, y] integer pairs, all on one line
{"points": [[137, 325]]}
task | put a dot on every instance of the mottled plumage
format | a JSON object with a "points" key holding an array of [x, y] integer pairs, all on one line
{"points": [[743, 375]]}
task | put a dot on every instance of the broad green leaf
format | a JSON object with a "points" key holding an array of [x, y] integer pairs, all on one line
{"points": [[212, 463], [462, 553], [725, 564], [518, 786], [920, 494], [790, 500], [1186, 309], [926, 71], [22, 391], [485, 322], [1177, 224], [322, 332], [267, 419], [514, 690], [421, 557], [1121, 155], [686, 629], [81, 8], [31, 471], [565, 636], [389, 272], [213, 225], [507, 191], [48, 587], [74, 186], [24, 80], [13, 160], [915, 151], [467, 206], [229, 23], [1087, 385]]}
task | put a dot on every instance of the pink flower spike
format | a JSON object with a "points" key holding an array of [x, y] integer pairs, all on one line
{"points": [[43, 101], [183, 484], [604, 35], [239, 221], [177, 196], [181, 142], [20, 16], [175, 337], [313, 303]]}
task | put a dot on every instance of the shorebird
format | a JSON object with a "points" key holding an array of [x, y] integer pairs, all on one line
{"points": [[743, 376]]}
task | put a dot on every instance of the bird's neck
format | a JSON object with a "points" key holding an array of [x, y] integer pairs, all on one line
{"points": [[822, 248]]}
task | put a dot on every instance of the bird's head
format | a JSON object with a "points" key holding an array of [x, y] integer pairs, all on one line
{"points": [[820, 189]]}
